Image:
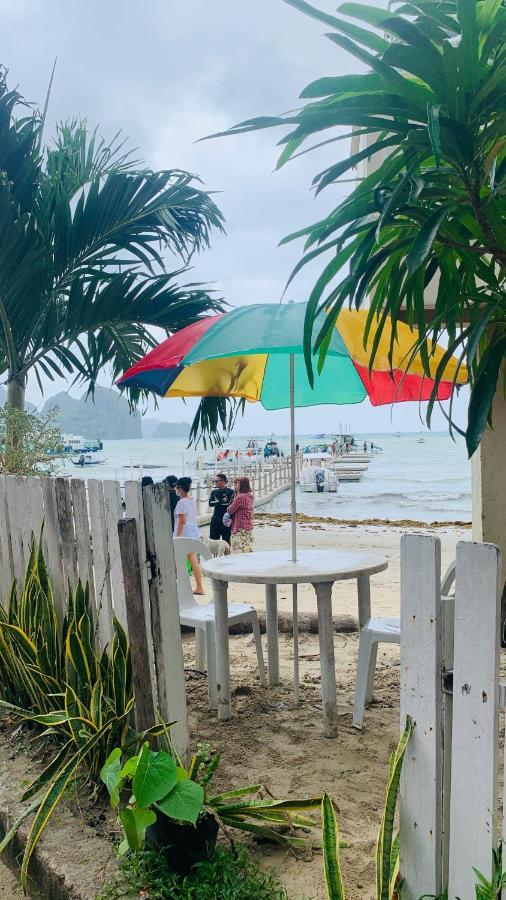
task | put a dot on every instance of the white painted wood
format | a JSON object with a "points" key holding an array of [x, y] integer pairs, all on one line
{"points": [[165, 615], [18, 525], [271, 627], [134, 510], [67, 533], [34, 510], [100, 556], [6, 567], [473, 803], [54, 555], [448, 609], [83, 539], [421, 698], [113, 513]]}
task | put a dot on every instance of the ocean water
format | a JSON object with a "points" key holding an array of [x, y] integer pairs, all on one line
{"points": [[424, 477]]}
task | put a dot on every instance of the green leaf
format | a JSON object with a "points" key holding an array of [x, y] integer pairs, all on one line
{"points": [[433, 110], [155, 775], [385, 853], [135, 821], [129, 767], [483, 392], [423, 242], [111, 775], [333, 876], [185, 801]]}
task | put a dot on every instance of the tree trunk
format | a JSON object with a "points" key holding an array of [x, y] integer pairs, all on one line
{"points": [[16, 388], [489, 488]]}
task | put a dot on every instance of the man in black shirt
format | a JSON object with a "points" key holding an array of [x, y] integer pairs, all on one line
{"points": [[221, 496]]}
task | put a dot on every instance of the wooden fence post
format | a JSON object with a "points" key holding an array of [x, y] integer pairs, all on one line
{"points": [[54, 554], [66, 525], [136, 624], [475, 751], [83, 540], [16, 509], [6, 569], [421, 805], [114, 512], [165, 623], [134, 510], [100, 561]]}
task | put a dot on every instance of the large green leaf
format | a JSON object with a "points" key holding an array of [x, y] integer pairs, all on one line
{"points": [[155, 775], [184, 802], [483, 393], [111, 775]]}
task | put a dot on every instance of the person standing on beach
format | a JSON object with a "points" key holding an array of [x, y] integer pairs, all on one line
{"points": [[221, 497], [186, 525], [241, 512], [171, 481]]}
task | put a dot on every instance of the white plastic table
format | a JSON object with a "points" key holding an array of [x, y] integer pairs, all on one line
{"points": [[321, 568]]}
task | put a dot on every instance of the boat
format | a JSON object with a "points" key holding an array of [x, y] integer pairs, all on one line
{"points": [[318, 480], [89, 459], [76, 443]]}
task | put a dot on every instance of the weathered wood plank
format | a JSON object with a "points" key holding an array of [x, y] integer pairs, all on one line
{"points": [[83, 539], [136, 623], [6, 567], [18, 524], [100, 556], [67, 533], [165, 623], [113, 513], [34, 509], [134, 510], [475, 751], [54, 555], [421, 698]]}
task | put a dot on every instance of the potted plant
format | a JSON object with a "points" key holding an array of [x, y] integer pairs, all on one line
{"points": [[170, 806]]}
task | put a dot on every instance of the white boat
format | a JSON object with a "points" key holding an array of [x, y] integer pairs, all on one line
{"points": [[89, 459], [76, 443], [318, 480]]}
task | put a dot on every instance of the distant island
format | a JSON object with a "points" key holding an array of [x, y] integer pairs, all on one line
{"points": [[106, 416], [169, 430]]}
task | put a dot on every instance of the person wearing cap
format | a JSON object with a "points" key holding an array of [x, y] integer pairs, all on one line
{"points": [[221, 497], [171, 481]]}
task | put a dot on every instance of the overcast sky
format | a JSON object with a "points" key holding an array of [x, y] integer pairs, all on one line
{"points": [[168, 73]]}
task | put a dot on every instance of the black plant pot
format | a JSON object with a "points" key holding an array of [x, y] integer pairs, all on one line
{"points": [[183, 845]]}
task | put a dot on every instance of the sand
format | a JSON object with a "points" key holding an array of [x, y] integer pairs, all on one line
{"points": [[270, 741]]}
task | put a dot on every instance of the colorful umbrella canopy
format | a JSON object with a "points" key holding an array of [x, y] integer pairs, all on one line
{"points": [[256, 352], [243, 353]]}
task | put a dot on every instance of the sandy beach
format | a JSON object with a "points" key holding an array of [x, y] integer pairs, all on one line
{"points": [[270, 741]]}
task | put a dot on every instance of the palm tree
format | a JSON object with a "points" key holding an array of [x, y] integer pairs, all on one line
{"points": [[430, 213], [83, 233]]}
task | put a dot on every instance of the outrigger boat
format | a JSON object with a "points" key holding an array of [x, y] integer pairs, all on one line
{"points": [[89, 459]]}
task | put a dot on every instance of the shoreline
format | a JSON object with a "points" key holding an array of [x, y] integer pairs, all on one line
{"points": [[303, 518]]}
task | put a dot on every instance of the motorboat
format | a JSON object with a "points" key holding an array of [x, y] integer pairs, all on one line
{"points": [[76, 443], [318, 480]]}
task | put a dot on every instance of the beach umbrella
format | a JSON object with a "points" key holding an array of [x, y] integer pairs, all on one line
{"points": [[256, 352]]}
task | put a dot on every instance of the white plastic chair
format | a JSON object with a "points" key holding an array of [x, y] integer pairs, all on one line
{"points": [[385, 630], [200, 616]]}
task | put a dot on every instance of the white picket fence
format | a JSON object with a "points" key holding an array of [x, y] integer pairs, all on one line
{"points": [[125, 553], [449, 787]]}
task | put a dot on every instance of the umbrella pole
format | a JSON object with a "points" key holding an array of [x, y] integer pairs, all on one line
{"points": [[293, 511]]}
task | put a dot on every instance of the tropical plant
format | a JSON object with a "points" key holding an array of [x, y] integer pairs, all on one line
{"points": [[52, 677], [485, 889], [430, 113], [29, 444], [387, 847], [162, 786], [83, 230]]}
